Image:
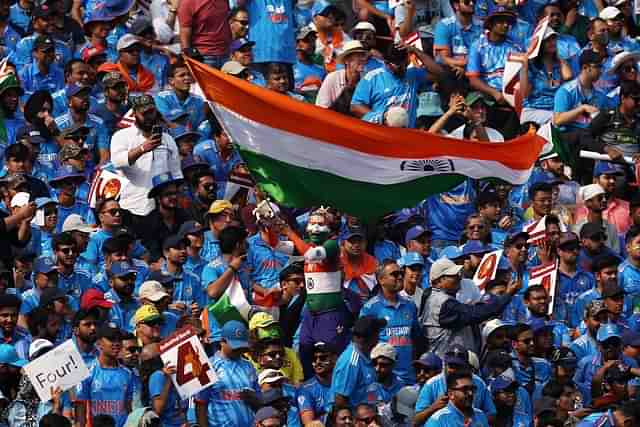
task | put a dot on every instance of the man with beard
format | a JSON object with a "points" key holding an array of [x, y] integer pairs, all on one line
{"points": [[314, 393], [307, 76], [92, 395], [573, 281], [606, 272], [113, 106], [9, 331], [504, 390], [596, 314], [66, 183], [619, 41], [10, 93], [592, 239], [139, 79], [85, 327], [552, 170], [591, 369], [141, 154], [148, 321], [45, 323], [530, 372], [187, 290], [387, 384], [10, 366], [194, 233], [42, 73], [166, 218], [122, 277], [402, 330], [594, 198], [179, 97], [75, 72], [118, 249], [459, 409], [393, 85], [97, 140], [70, 281]]}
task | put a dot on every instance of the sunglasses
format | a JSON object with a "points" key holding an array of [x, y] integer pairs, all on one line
{"points": [[520, 246], [67, 251], [629, 68], [50, 212], [242, 22], [77, 138], [113, 212], [397, 274], [476, 227]]}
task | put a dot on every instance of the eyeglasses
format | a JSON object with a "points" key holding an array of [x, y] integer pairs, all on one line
{"points": [[134, 349], [398, 274], [242, 22], [113, 212], [629, 68], [476, 227], [273, 354], [67, 251], [466, 388]]}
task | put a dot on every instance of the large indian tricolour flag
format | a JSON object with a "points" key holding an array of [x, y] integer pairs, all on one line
{"points": [[303, 155]]}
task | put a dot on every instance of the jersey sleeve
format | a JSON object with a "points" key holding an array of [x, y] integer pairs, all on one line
{"points": [[562, 101], [156, 384], [441, 38], [345, 376], [474, 61]]}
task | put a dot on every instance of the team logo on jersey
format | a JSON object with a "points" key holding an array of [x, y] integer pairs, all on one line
{"points": [[431, 167]]}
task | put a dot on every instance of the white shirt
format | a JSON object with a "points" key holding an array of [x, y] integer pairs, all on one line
{"points": [[164, 159]]}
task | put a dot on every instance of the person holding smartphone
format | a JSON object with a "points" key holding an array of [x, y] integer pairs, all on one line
{"points": [[141, 152]]}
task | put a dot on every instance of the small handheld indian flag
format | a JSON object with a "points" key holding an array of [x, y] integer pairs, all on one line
{"points": [[232, 305]]}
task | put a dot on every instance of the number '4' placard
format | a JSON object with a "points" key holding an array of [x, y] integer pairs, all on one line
{"points": [[183, 350]]}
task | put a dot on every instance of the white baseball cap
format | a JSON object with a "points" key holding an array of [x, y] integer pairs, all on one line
{"points": [[270, 376], [364, 26], [152, 290], [609, 12], [443, 267], [74, 222], [383, 349], [590, 191], [38, 346], [20, 199]]}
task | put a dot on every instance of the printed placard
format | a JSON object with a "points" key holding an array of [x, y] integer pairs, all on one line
{"points": [[61, 367], [487, 269], [183, 350], [547, 276]]}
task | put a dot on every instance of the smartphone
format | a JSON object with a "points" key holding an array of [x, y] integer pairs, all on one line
{"points": [[156, 132]]}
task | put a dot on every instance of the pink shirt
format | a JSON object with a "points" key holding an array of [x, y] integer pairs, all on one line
{"points": [[617, 214]]}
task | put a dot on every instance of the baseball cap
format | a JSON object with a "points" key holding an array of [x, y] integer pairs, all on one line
{"points": [[475, 247], [410, 258], [322, 7], [233, 67], [179, 132], [41, 11], [304, 32], [44, 265], [513, 238], [49, 295], [607, 168], [364, 26], [9, 356], [261, 320], [74, 222], [623, 57], [73, 89], [270, 376], [429, 361], [588, 56], [110, 331], [384, 349], [38, 347], [367, 326], [590, 230], [146, 313], [501, 382], [41, 202], [540, 325], [610, 290], [265, 413], [631, 338], [127, 41], [474, 97], [444, 267], [595, 307], [406, 399], [92, 298], [564, 357], [608, 330], [498, 359], [451, 252], [500, 12], [219, 206], [590, 191], [161, 276], [190, 227], [415, 232], [70, 151], [456, 355], [568, 238], [112, 78], [121, 269], [271, 396], [617, 374], [353, 232], [238, 44], [493, 325], [158, 182], [235, 334], [487, 196], [190, 161], [152, 290], [43, 42], [609, 12], [140, 25], [175, 241], [20, 199]]}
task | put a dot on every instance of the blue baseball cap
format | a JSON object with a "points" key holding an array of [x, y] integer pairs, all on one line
{"points": [[539, 325], [192, 161], [117, 7], [608, 330], [182, 131], [411, 258], [121, 269], [239, 44], [475, 247], [451, 252], [44, 265], [354, 231], [502, 382], [415, 232], [41, 202], [74, 89], [607, 168], [429, 361], [66, 172], [457, 355], [160, 181], [235, 334], [9, 356], [321, 7]]}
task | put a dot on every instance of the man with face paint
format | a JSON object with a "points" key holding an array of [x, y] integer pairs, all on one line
{"points": [[141, 154]]}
